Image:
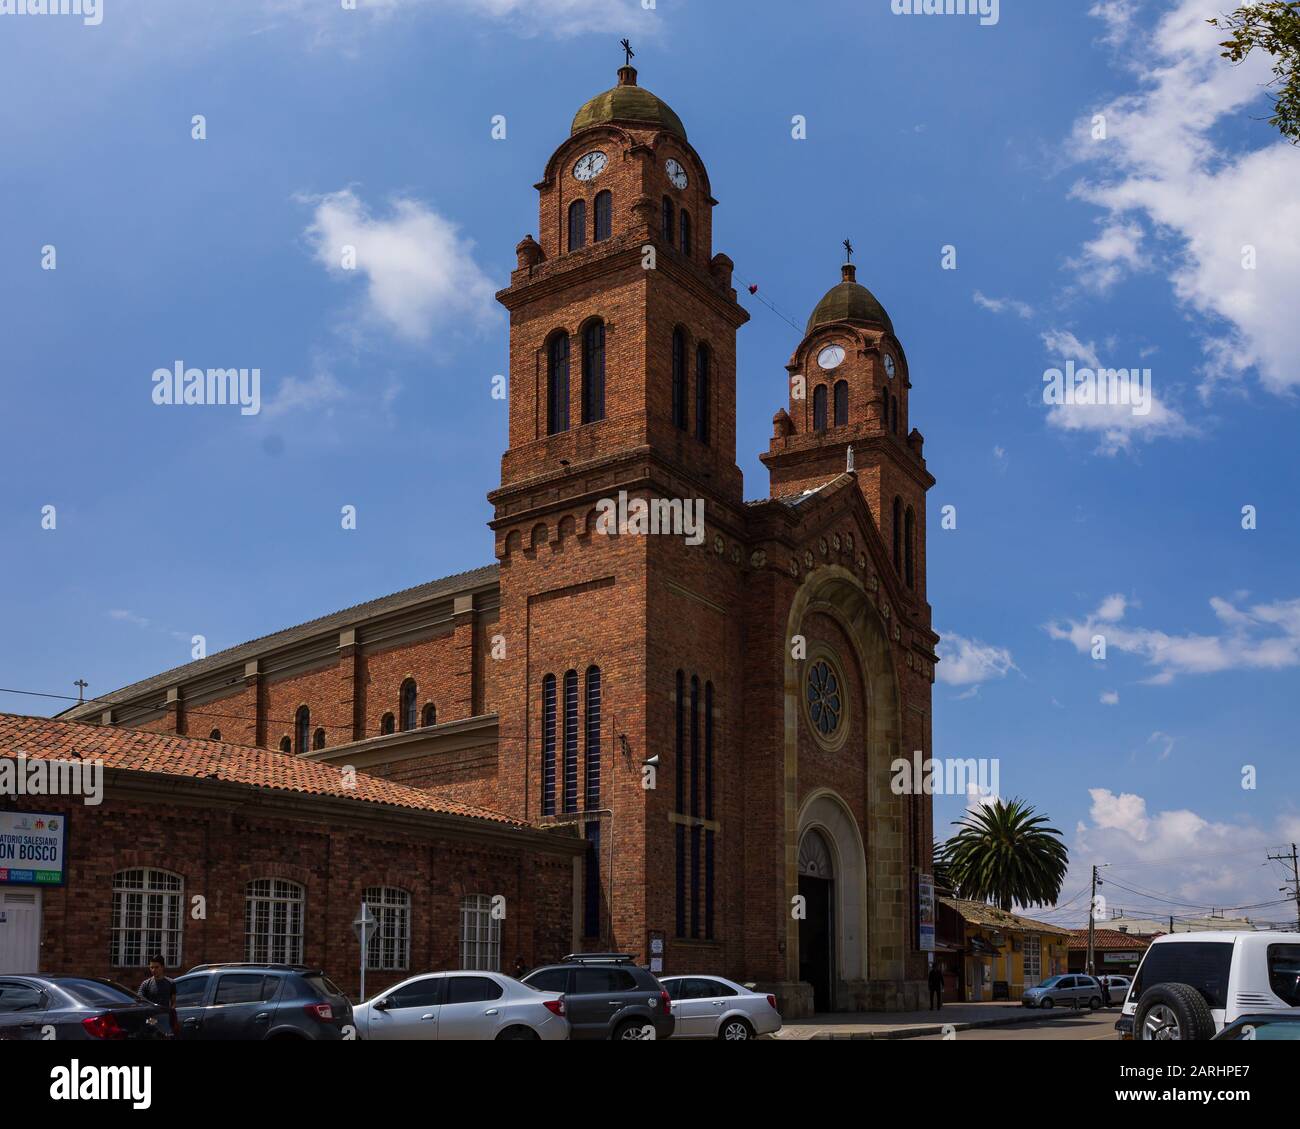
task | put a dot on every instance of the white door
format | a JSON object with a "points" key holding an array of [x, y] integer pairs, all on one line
{"points": [[20, 930]]}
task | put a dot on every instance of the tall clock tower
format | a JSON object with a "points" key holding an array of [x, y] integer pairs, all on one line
{"points": [[623, 328]]}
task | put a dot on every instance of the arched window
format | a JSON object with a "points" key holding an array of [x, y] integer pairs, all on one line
{"points": [[819, 408], [679, 378], [571, 741], [604, 215], [409, 711], [147, 917], [909, 551], [286, 744], [386, 724], [318, 739], [389, 950], [702, 392], [592, 750], [679, 828], [302, 730], [893, 414], [430, 714], [841, 403], [686, 232], [694, 785], [215, 735], [884, 408], [548, 745], [557, 385], [593, 372], [708, 811], [577, 225], [898, 535], [273, 921], [668, 221]]}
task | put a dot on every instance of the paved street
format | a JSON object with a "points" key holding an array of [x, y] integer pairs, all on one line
{"points": [[1084, 1026], [969, 1020]]}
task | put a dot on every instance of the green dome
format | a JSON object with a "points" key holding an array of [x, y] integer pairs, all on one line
{"points": [[849, 301], [628, 102]]}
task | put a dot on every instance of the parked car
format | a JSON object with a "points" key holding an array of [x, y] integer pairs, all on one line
{"points": [[712, 1007], [1193, 986], [1116, 987], [261, 1001], [1071, 990], [1277, 1027], [77, 1007], [607, 996], [462, 1005]]}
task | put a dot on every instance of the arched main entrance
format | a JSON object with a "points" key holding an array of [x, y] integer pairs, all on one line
{"points": [[817, 929]]}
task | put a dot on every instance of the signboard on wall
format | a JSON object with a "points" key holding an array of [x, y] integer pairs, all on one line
{"points": [[32, 846], [925, 911]]}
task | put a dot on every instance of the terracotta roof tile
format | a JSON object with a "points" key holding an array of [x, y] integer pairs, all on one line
{"points": [[136, 750], [989, 916], [1107, 939]]}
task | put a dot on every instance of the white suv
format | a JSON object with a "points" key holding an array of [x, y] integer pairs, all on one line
{"points": [[1191, 986]]}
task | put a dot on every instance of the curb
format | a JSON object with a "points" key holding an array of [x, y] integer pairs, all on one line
{"points": [[940, 1028]]}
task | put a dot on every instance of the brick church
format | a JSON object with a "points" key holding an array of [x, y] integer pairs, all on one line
{"points": [[708, 720]]}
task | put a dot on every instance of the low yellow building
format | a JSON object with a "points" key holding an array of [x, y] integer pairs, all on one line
{"points": [[988, 954]]}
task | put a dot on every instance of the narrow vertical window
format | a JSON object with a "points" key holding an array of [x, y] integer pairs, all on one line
{"points": [[592, 751], [898, 535], [557, 385], [884, 409], [571, 741], [668, 221], [548, 745], [893, 414], [702, 393], [679, 378], [302, 730], [909, 552], [708, 812], [318, 739], [686, 232], [577, 225], [386, 724], [679, 834], [591, 882], [409, 709], [841, 403], [593, 372], [604, 215], [695, 806], [819, 408]]}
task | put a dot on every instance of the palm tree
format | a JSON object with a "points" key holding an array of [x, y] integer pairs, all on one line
{"points": [[1004, 854], [943, 881]]}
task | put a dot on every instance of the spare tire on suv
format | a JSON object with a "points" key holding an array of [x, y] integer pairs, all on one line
{"points": [[1173, 1011]]}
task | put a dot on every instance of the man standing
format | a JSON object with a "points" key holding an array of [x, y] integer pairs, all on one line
{"points": [[160, 991], [936, 988]]}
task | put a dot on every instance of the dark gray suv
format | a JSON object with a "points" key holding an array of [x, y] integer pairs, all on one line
{"points": [[261, 1001], [607, 996]]}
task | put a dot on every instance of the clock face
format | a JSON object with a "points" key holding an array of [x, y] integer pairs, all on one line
{"points": [[590, 165], [676, 174], [889, 366], [831, 357]]}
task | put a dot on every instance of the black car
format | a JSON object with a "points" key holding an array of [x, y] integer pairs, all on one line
{"points": [[42, 1007], [607, 996], [261, 1001]]}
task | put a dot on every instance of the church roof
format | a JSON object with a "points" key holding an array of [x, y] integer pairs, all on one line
{"points": [[630, 103], [850, 301]]}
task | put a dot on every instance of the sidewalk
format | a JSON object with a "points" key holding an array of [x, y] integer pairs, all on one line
{"points": [[911, 1024]]}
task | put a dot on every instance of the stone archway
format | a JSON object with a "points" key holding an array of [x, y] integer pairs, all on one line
{"points": [[833, 882]]}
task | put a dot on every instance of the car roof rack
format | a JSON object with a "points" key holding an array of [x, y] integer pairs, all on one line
{"points": [[597, 958], [273, 965]]}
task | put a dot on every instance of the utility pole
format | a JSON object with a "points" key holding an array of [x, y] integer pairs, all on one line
{"points": [[1294, 859], [1092, 925]]}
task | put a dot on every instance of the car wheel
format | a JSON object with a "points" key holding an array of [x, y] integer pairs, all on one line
{"points": [[633, 1030], [1173, 1012], [519, 1034], [1048, 1002], [735, 1031], [1094, 1004]]}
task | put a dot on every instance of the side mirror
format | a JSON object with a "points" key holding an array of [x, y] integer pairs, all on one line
{"points": [[381, 1005]]}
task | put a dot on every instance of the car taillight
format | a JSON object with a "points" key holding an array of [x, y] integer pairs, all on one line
{"points": [[771, 1002], [555, 1007], [322, 1012], [103, 1027], [667, 1001]]}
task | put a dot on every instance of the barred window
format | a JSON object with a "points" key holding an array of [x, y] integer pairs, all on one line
{"points": [[571, 741], [389, 949], [686, 232], [668, 221], [147, 916], [557, 385], [302, 730], [548, 745], [702, 393], [841, 403], [604, 215], [679, 378], [819, 408], [409, 705], [593, 372], [577, 225], [592, 752], [480, 934], [273, 909]]}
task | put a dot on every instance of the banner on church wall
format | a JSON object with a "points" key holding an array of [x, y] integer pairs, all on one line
{"points": [[32, 848], [925, 910]]}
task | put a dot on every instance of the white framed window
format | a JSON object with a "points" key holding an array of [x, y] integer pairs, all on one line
{"points": [[147, 915], [389, 949], [273, 921], [1033, 961], [480, 934]]}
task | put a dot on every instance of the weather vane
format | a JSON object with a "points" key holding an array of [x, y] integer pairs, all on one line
{"points": [[627, 48], [848, 247]]}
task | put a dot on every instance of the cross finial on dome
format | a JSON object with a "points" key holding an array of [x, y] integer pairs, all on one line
{"points": [[627, 50], [848, 248]]}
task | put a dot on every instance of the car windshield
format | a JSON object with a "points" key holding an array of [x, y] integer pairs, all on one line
{"points": [[98, 992], [1051, 982]]}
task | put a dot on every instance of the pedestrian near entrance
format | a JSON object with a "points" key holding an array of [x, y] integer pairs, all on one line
{"points": [[158, 990], [936, 988]]}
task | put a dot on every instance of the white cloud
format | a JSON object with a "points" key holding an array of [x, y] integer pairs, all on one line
{"points": [[1063, 343], [1110, 697], [1261, 637], [1118, 18], [1164, 171], [1112, 255], [321, 391], [968, 662], [554, 18], [1004, 305], [420, 272], [123, 615]]}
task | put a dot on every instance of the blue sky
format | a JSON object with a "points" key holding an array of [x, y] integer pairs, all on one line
{"points": [[326, 125]]}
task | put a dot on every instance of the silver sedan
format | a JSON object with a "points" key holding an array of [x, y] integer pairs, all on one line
{"points": [[712, 1007], [462, 1005]]}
